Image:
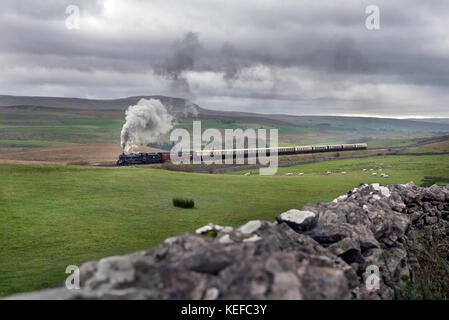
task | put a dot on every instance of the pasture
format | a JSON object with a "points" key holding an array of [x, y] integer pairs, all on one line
{"points": [[399, 168], [53, 216]]}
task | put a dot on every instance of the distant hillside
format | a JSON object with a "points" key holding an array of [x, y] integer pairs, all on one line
{"points": [[33, 121], [77, 103], [434, 120], [324, 123]]}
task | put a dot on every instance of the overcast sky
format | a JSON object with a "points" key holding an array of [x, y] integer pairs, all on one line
{"points": [[295, 57]]}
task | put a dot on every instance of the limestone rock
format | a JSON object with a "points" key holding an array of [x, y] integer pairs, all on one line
{"points": [[297, 219]]}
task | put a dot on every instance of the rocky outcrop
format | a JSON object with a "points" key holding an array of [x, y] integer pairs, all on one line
{"points": [[324, 251]]}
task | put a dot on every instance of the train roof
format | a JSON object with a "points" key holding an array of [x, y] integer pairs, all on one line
{"points": [[139, 154]]}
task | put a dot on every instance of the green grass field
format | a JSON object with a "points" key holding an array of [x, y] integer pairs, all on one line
{"points": [[25, 144], [27, 131], [54, 216], [391, 143], [399, 168], [37, 127], [437, 147]]}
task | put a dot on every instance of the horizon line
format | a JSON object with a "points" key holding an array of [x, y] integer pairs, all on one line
{"points": [[347, 115]]}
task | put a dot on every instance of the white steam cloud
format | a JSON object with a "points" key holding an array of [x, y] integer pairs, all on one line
{"points": [[190, 109], [146, 122]]}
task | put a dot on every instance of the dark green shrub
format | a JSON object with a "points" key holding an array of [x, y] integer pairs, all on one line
{"points": [[428, 181], [183, 203], [431, 277]]}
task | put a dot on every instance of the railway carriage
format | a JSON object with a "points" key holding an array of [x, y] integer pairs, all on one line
{"points": [[337, 147], [148, 158], [303, 149], [320, 148]]}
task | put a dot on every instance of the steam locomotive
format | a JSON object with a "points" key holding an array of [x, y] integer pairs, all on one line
{"points": [[159, 157]]}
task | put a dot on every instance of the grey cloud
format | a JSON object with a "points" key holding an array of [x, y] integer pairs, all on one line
{"points": [[181, 58], [230, 62], [314, 54]]}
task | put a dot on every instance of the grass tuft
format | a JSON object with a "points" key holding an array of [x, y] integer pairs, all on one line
{"points": [[431, 278], [429, 181], [184, 203]]}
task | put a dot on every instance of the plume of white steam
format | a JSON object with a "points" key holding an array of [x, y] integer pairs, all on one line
{"points": [[145, 122], [190, 109]]}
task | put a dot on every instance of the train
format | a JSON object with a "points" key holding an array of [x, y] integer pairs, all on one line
{"points": [[160, 157]]}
